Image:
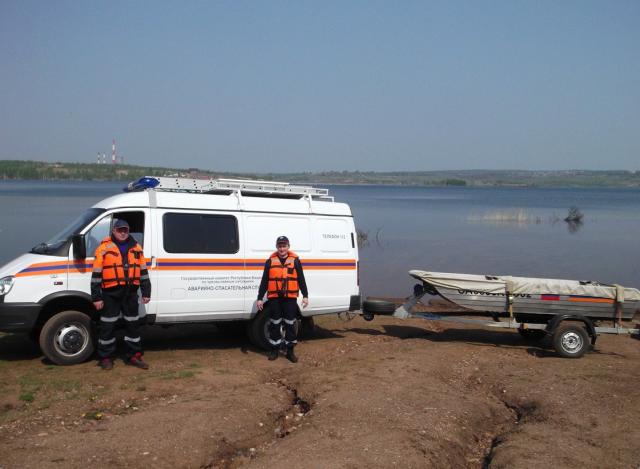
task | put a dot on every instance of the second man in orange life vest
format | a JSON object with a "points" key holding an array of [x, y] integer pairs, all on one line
{"points": [[282, 280], [119, 269]]}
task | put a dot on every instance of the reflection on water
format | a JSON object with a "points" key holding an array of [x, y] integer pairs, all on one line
{"points": [[574, 226], [413, 228], [518, 217], [521, 217]]}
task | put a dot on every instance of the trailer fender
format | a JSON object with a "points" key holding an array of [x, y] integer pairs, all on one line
{"points": [[557, 320]]}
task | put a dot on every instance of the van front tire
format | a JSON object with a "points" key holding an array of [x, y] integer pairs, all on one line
{"points": [[66, 338]]}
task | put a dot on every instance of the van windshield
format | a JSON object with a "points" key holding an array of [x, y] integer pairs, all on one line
{"points": [[57, 245]]}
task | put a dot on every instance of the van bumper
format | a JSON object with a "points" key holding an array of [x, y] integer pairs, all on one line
{"points": [[18, 317]]}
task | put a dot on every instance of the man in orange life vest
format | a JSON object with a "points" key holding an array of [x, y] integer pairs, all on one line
{"points": [[282, 280], [119, 269]]}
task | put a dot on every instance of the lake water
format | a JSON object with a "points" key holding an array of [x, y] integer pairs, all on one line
{"points": [[446, 229]]}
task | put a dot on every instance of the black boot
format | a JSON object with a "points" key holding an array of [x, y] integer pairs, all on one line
{"points": [[291, 356], [106, 364], [138, 362], [273, 354]]}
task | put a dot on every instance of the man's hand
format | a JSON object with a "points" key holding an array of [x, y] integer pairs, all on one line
{"points": [[260, 305], [145, 300], [305, 302], [98, 304]]}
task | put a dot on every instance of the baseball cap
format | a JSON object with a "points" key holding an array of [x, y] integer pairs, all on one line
{"points": [[282, 240], [120, 224]]}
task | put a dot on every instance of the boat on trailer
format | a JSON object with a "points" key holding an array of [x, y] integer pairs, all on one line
{"points": [[571, 312], [531, 299]]}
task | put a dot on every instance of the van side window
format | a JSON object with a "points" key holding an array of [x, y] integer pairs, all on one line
{"points": [[95, 236], [190, 233]]}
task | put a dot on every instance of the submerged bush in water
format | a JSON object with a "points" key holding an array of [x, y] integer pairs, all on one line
{"points": [[363, 238], [575, 215]]}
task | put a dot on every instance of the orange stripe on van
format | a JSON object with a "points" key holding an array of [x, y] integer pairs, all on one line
{"points": [[247, 264], [86, 266], [46, 272]]}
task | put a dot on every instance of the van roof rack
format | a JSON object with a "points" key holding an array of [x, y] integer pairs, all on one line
{"points": [[213, 186]]}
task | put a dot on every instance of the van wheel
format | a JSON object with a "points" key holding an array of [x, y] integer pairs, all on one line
{"points": [[66, 338], [258, 330], [571, 341]]}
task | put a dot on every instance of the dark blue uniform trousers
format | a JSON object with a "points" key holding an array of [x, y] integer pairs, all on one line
{"points": [[282, 312], [119, 303]]}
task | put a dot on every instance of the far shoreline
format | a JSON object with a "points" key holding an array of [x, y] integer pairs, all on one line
{"points": [[32, 171], [124, 182]]}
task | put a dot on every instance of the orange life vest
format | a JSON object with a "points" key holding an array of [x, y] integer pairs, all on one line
{"points": [[108, 261], [283, 278]]}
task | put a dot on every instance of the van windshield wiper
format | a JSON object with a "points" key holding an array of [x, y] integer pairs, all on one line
{"points": [[42, 248]]}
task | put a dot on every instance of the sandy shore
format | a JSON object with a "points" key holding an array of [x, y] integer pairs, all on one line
{"points": [[387, 393]]}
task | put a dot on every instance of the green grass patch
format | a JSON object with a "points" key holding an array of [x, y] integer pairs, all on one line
{"points": [[29, 386], [27, 396]]}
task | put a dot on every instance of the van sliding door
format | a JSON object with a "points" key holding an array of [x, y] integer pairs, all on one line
{"points": [[200, 267]]}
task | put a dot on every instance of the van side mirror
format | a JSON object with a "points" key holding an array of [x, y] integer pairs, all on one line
{"points": [[79, 246]]}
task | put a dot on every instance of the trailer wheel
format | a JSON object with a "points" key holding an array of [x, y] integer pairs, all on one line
{"points": [[571, 340], [66, 338], [532, 335]]}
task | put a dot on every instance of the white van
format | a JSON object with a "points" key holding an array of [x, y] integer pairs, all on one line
{"points": [[205, 242]]}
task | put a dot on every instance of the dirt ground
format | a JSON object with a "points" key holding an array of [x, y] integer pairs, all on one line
{"points": [[387, 393]]}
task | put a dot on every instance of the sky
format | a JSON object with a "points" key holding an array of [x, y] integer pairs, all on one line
{"points": [[288, 86]]}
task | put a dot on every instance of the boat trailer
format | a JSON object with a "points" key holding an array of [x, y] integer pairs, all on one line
{"points": [[572, 334]]}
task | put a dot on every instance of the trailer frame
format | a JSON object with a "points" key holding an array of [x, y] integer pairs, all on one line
{"points": [[570, 340]]}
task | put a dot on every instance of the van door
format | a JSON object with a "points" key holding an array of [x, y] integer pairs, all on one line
{"points": [[333, 270], [140, 228], [200, 267]]}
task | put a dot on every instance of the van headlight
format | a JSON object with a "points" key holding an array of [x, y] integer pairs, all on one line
{"points": [[5, 284]]}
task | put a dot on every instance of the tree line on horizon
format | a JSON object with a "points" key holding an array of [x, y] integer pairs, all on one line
{"points": [[40, 170]]}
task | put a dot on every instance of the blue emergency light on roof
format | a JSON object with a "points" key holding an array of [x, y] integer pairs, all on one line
{"points": [[142, 184]]}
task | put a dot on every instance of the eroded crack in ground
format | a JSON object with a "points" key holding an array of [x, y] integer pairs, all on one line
{"points": [[232, 455], [521, 412]]}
